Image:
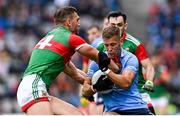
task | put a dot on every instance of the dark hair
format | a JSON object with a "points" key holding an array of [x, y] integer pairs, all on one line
{"points": [[111, 31], [116, 14], [62, 14]]}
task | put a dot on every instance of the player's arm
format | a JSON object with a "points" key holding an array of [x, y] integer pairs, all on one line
{"points": [[142, 56], [87, 88], [125, 79], [147, 65], [74, 73]]}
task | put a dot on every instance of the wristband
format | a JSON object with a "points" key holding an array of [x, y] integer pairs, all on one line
{"points": [[107, 71]]}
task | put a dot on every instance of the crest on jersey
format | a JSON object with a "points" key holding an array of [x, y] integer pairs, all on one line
{"points": [[44, 93], [127, 49]]}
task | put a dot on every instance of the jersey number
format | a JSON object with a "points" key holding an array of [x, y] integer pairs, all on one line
{"points": [[44, 42]]}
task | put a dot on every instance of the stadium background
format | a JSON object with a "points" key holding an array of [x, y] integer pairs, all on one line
{"points": [[24, 22]]}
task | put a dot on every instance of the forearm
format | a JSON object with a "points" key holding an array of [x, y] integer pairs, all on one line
{"points": [[79, 78], [123, 80], [150, 73], [149, 69], [82, 72], [90, 52], [74, 73]]}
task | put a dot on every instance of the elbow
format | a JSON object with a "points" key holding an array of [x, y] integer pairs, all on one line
{"points": [[126, 86]]}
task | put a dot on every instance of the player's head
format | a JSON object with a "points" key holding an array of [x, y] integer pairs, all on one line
{"points": [[93, 33], [111, 38], [68, 17], [118, 19]]}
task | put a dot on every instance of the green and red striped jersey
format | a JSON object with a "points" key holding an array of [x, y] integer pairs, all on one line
{"points": [[51, 53], [136, 47]]}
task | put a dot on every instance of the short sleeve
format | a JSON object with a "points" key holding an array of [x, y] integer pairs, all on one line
{"points": [[93, 67], [132, 64], [141, 52], [76, 42]]}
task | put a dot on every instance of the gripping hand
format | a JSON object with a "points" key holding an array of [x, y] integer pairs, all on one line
{"points": [[149, 86]]}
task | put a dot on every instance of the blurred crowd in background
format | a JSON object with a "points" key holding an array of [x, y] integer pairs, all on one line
{"points": [[24, 22]]}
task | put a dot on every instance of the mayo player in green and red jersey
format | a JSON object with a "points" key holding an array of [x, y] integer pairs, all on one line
{"points": [[51, 56], [136, 47]]}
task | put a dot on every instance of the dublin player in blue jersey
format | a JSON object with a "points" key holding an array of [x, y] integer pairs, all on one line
{"points": [[124, 98]]}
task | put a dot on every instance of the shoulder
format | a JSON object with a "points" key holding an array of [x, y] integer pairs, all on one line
{"points": [[76, 41], [132, 39], [130, 61], [130, 56], [74, 36]]}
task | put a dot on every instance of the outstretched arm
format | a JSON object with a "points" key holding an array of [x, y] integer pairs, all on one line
{"points": [[74, 73], [147, 65]]}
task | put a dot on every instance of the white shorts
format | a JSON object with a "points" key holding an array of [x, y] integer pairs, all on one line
{"points": [[31, 90], [146, 98]]}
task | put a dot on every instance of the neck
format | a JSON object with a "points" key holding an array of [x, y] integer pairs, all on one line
{"points": [[62, 25]]}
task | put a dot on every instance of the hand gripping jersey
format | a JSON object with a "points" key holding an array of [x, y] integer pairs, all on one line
{"points": [[52, 52], [134, 46]]}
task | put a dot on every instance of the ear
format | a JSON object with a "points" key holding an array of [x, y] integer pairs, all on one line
{"points": [[68, 22], [126, 25]]}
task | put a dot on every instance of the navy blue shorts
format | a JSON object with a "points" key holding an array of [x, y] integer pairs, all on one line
{"points": [[141, 111]]}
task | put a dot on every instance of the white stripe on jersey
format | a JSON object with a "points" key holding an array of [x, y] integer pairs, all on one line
{"points": [[77, 48], [132, 39]]}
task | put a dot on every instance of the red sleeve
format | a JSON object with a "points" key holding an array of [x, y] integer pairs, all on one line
{"points": [[141, 53], [75, 41]]}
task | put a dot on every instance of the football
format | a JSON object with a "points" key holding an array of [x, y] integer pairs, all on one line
{"points": [[101, 83]]}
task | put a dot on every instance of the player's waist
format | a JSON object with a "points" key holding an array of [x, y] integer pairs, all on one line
{"points": [[124, 106]]}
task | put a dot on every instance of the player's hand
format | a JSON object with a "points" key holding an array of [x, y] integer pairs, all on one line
{"points": [[149, 86], [103, 61], [87, 90], [103, 83]]}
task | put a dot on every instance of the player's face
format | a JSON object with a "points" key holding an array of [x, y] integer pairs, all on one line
{"points": [[118, 22], [113, 46], [75, 23], [93, 33]]}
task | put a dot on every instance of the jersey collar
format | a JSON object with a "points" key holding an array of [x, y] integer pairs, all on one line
{"points": [[122, 52]]}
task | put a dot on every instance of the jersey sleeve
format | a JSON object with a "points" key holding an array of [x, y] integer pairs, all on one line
{"points": [[76, 42], [93, 67], [141, 52], [132, 64]]}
